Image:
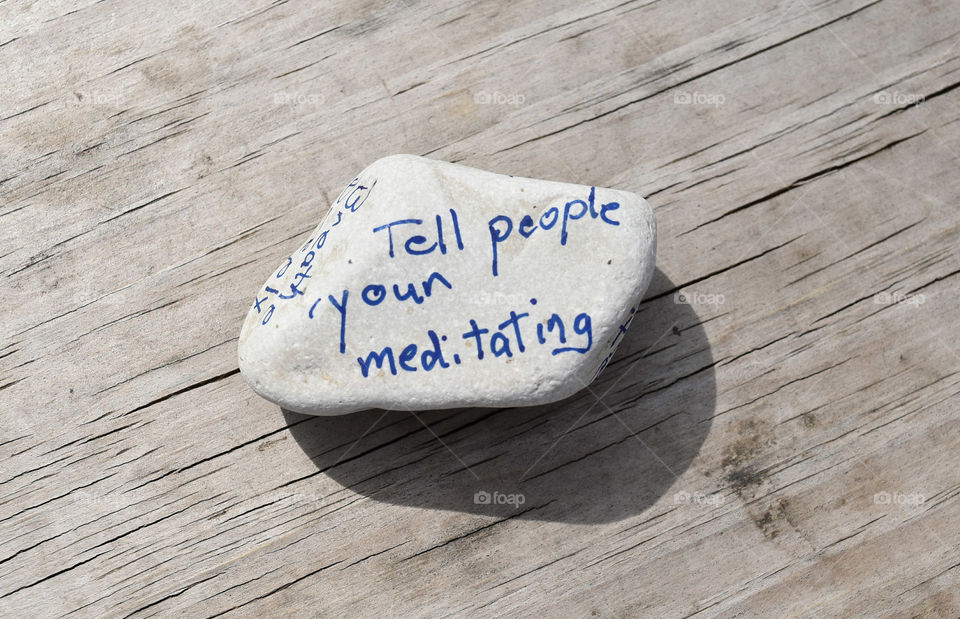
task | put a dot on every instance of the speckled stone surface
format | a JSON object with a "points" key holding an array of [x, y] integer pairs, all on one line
{"points": [[434, 285]]}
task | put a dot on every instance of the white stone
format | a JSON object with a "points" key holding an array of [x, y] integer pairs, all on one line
{"points": [[372, 284]]}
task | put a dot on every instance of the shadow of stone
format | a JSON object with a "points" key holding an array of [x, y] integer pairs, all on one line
{"points": [[586, 459]]}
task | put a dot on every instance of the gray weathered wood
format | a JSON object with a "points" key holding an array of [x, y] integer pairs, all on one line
{"points": [[159, 159]]}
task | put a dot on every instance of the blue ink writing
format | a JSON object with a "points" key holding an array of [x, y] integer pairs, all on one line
{"points": [[501, 227], [419, 241], [341, 307]]}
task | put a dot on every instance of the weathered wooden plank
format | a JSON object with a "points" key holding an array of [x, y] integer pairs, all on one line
{"points": [[781, 441]]}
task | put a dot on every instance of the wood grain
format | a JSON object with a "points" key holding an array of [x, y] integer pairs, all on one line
{"points": [[778, 435]]}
